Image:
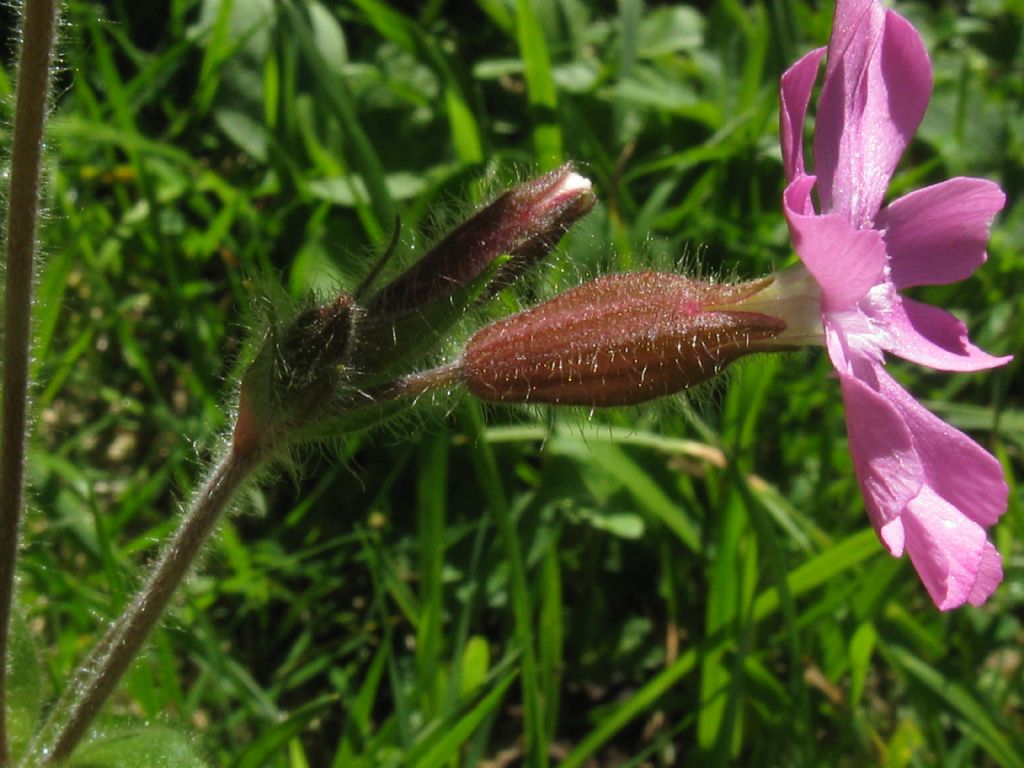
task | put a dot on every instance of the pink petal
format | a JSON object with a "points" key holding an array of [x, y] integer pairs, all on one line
{"points": [[938, 234], [795, 93], [949, 551], [846, 262], [893, 536], [933, 337], [851, 353], [927, 487], [958, 469], [990, 574], [877, 85], [884, 456], [797, 196]]}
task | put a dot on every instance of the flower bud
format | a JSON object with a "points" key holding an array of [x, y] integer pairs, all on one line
{"points": [[617, 340], [295, 372], [525, 222]]}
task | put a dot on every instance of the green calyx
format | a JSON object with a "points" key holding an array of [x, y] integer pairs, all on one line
{"points": [[296, 374]]}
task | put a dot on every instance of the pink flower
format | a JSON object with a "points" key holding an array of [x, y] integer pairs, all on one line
{"points": [[928, 488]]}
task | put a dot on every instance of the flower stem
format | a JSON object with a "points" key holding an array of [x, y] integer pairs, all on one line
{"points": [[104, 667], [40, 18]]}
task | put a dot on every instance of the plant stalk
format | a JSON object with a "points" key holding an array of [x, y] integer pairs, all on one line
{"points": [[33, 85], [123, 641]]}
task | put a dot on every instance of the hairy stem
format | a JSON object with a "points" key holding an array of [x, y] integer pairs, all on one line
{"points": [[104, 667], [40, 19]]}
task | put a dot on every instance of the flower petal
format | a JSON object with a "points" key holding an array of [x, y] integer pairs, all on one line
{"points": [[797, 196], [933, 337], [938, 234], [990, 574], [845, 261], [950, 552], [955, 467], [893, 536], [877, 84], [884, 455], [794, 94]]}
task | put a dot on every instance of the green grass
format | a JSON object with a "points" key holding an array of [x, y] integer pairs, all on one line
{"points": [[673, 585]]}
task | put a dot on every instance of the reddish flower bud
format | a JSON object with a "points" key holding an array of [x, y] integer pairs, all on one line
{"points": [[525, 223], [618, 340]]}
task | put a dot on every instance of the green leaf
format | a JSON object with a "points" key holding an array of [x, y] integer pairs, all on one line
{"points": [[329, 38], [245, 131], [24, 694], [978, 719], [274, 739], [638, 703], [432, 502], [358, 724], [408, 36], [719, 688], [153, 747], [540, 85], [388, 22], [670, 30], [476, 661], [465, 132], [838, 558], [444, 743], [336, 99], [862, 645], [534, 736], [617, 464], [350, 189], [236, 37], [625, 525], [551, 643]]}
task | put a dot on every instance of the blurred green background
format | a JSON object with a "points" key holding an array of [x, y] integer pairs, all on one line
{"points": [[690, 584]]}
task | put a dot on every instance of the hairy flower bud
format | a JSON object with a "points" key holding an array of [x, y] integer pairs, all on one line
{"points": [[295, 371], [617, 340], [525, 223]]}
